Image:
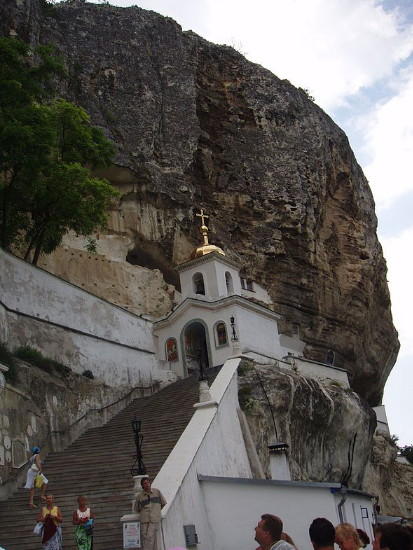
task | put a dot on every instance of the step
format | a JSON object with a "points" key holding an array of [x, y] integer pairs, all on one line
{"points": [[97, 464]]}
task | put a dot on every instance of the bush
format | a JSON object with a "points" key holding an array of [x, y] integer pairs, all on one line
{"points": [[60, 368], [7, 358], [245, 399], [407, 452], [34, 357], [88, 374], [244, 367], [29, 354]]}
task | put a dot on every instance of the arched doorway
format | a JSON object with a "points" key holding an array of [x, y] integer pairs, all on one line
{"points": [[195, 343]]}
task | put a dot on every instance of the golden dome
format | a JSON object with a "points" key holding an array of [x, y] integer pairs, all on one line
{"points": [[205, 248]]}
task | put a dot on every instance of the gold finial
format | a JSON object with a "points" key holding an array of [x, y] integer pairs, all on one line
{"points": [[206, 248], [202, 215], [204, 228]]}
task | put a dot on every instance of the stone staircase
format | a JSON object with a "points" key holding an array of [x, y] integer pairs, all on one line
{"points": [[98, 465]]}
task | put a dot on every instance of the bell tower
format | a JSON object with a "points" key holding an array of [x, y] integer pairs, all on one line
{"points": [[208, 272]]}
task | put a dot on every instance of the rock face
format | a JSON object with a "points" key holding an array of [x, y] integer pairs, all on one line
{"points": [[51, 410], [390, 480], [309, 415], [330, 432], [197, 125]]}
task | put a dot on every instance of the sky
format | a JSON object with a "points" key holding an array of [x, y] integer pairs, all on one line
{"points": [[355, 57]]}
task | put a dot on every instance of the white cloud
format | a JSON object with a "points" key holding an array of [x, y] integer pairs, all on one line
{"points": [[334, 47], [389, 142], [397, 400], [397, 251]]}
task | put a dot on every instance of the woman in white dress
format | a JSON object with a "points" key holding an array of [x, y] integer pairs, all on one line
{"points": [[35, 468]]}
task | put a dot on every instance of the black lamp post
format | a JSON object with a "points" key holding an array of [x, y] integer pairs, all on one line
{"points": [[138, 468], [200, 364], [234, 336]]}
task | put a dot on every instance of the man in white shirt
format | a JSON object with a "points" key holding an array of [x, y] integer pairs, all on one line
{"points": [[268, 534]]}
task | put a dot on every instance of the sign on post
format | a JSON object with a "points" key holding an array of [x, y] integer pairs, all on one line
{"points": [[132, 534]]}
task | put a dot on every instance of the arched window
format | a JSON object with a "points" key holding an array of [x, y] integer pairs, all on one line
{"points": [[171, 350], [198, 283], [229, 283], [221, 337]]}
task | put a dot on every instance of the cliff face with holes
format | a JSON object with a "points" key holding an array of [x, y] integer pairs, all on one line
{"points": [[197, 125]]}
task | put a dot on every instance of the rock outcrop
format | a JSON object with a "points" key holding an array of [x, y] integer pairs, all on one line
{"points": [[52, 409], [197, 125], [325, 425], [330, 433]]}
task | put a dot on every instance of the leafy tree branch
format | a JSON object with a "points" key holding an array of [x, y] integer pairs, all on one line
{"points": [[48, 148]]}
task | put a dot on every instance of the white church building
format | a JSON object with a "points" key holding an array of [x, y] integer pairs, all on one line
{"points": [[217, 317]]}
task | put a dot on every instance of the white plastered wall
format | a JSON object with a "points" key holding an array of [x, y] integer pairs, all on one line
{"points": [[213, 271], [257, 333], [73, 326], [234, 508]]}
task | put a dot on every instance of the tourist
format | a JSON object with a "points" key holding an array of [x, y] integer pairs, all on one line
{"points": [[363, 536], [148, 504], [268, 534], [347, 537], [51, 518], [35, 469], [392, 536], [285, 536], [322, 534], [83, 518]]}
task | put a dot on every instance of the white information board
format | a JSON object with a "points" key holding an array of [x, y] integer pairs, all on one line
{"points": [[132, 534]]}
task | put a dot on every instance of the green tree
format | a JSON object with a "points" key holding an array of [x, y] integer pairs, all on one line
{"points": [[47, 151], [407, 452]]}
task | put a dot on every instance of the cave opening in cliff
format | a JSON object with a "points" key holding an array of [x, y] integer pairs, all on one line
{"points": [[151, 255]]}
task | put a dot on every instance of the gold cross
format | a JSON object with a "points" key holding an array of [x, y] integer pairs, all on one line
{"points": [[202, 216]]}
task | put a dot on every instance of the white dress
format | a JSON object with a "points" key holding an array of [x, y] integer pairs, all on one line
{"points": [[32, 473]]}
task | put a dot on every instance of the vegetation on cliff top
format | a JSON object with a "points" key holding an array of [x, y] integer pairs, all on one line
{"points": [[47, 151]]}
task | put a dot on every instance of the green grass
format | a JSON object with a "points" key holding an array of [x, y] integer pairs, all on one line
{"points": [[34, 357]]}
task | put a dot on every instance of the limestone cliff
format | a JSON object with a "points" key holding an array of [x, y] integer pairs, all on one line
{"points": [[197, 125]]}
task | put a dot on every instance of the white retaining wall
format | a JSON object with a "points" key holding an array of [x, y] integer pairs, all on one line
{"points": [[74, 326]]}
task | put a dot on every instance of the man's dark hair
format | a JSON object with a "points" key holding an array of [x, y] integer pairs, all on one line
{"points": [[144, 479], [394, 536], [274, 525], [322, 532]]}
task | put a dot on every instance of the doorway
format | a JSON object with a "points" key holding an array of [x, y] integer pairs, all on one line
{"points": [[196, 346]]}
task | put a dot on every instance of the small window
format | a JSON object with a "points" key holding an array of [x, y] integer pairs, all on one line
{"points": [[229, 283], [198, 282], [249, 286], [171, 350], [221, 334]]}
